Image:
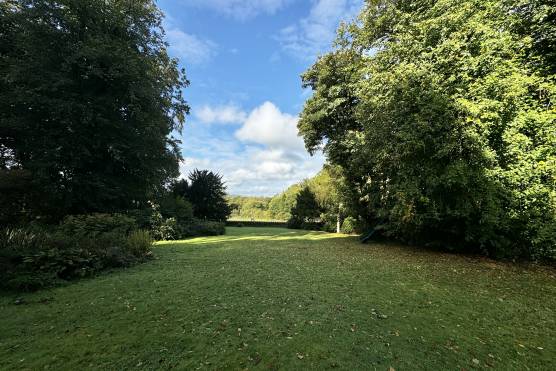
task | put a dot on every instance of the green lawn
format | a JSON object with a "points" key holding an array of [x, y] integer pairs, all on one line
{"points": [[269, 298]]}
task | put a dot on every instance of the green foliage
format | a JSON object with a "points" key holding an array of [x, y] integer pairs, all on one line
{"points": [[14, 185], [205, 228], [250, 208], [88, 100], [139, 243], [306, 212], [32, 258], [207, 193], [441, 117], [330, 192], [349, 225], [171, 230], [95, 225], [161, 228], [280, 205], [177, 207], [165, 228]]}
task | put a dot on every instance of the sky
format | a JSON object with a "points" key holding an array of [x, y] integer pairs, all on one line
{"points": [[244, 59]]}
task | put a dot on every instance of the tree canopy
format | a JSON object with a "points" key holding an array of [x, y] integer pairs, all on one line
{"points": [[88, 100], [207, 193], [441, 116], [306, 210]]}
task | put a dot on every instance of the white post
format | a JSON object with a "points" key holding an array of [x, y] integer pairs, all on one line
{"points": [[338, 218]]}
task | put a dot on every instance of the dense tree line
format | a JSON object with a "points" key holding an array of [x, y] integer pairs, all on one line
{"points": [[250, 208], [440, 115], [277, 207], [324, 187]]}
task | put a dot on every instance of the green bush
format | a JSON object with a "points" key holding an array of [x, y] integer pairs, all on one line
{"points": [[196, 228], [176, 207], [349, 225], [208, 228], [96, 224], [81, 246], [139, 243]]}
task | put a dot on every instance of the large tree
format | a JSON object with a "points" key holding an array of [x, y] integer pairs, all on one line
{"points": [[88, 100], [207, 192], [306, 211], [441, 114]]}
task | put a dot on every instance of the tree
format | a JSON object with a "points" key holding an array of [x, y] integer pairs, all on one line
{"points": [[207, 193], [88, 100], [280, 206], [306, 211], [246, 207], [440, 114]]}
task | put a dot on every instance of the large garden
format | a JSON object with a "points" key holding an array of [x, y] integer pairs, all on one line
{"points": [[275, 298], [416, 179]]}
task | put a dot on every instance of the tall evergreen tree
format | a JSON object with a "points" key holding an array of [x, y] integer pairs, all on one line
{"points": [[88, 100], [207, 193], [306, 210]]}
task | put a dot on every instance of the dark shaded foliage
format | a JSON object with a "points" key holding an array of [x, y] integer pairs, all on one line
{"points": [[88, 100], [306, 212], [207, 193], [33, 258]]}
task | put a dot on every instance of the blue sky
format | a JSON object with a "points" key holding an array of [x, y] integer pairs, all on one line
{"points": [[244, 59]]}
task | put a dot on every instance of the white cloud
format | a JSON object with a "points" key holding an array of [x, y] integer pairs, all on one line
{"points": [[240, 9], [314, 34], [263, 157], [245, 174], [228, 114], [188, 47], [268, 126]]}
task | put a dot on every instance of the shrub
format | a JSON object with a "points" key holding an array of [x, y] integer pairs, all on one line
{"points": [[165, 229], [142, 217], [349, 226], [208, 228], [176, 207], [81, 246], [139, 243], [95, 224], [196, 228]]}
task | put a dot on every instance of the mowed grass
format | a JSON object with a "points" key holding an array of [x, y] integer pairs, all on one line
{"points": [[269, 298]]}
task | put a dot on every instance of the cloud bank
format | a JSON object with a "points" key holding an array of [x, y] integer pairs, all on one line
{"points": [[262, 156]]}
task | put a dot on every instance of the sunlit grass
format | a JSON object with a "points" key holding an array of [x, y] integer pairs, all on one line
{"points": [[258, 234], [271, 298]]}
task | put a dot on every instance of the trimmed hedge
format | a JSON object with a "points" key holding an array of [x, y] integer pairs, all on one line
{"points": [[255, 223]]}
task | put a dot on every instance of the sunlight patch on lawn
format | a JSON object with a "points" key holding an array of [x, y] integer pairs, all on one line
{"points": [[268, 234]]}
